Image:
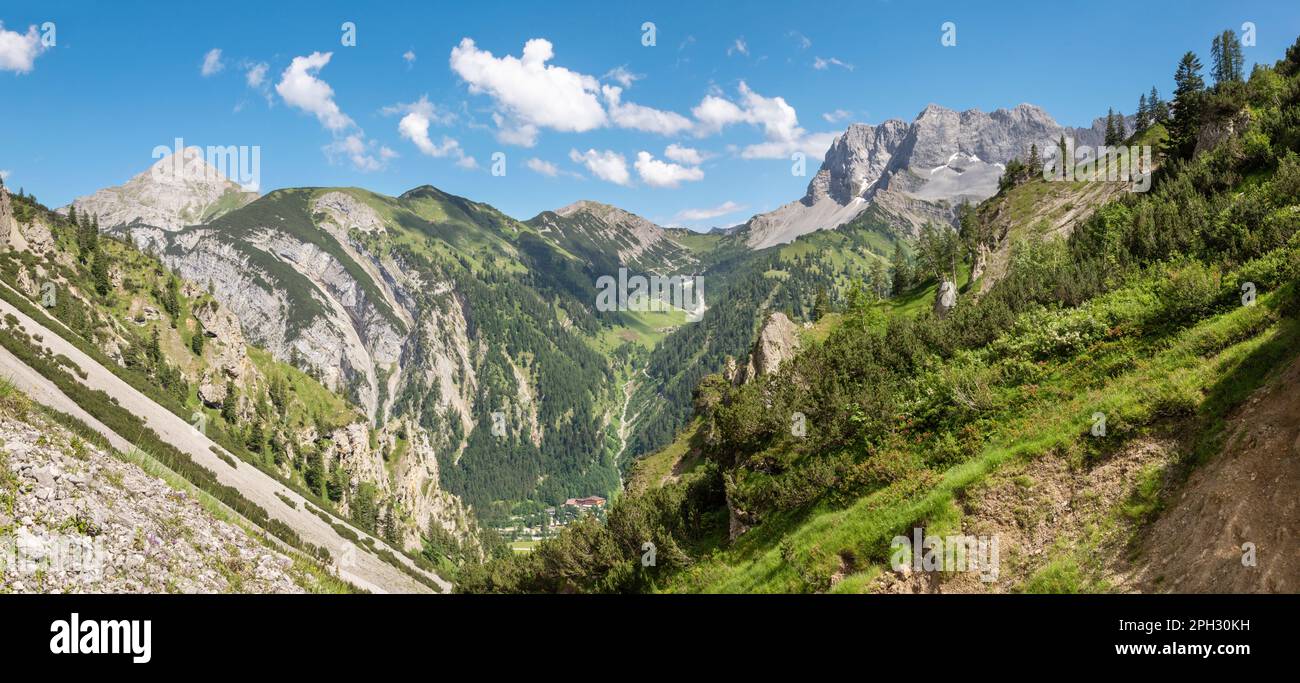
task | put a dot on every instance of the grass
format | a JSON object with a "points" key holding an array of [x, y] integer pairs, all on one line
{"points": [[649, 471]]}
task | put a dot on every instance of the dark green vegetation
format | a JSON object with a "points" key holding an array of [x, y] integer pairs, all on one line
{"points": [[1139, 315]]}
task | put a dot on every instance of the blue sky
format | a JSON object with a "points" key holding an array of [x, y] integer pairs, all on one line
{"points": [[735, 88]]}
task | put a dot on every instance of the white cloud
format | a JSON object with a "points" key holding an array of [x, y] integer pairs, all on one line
{"points": [[414, 126], [739, 46], [409, 57], [18, 51], [773, 114], [814, 145], [638, 117], [607, 165], [545, 168], [685, 155], [299, 87], [255, 76], [622, 76], [709, 213], [779, 121], [359, 151], [529, 93], [549, 169], [656, 173], [824, 64], [212, 63], [801, 39], [837, 115], [4, 175]]}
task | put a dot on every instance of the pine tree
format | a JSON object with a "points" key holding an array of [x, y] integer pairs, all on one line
{"points": [[1121, 128], [1159, 109], [1110, 128], [196, 343], [1189, 90], [1226, 58], [821, 304], [1143, 115], [256, 437], [902, 270], [1062, 156], [881, 278], [1035, 161], [99, 272], [230, 405], [154, 349]]}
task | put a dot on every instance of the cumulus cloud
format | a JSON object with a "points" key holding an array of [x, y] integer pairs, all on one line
{"points": [[622, 76], [409, 57], [299, 87], [708, 213], [18, 51], [780, 124], [638, 117], [814, 145], [212, 63], [545, 168], [549, 169], [824, 64], [606, 165], [776, 117], [414, 126], [656, 173], [255, 75], [360, 151], [837, 115], [685, 155], [529, 93]]}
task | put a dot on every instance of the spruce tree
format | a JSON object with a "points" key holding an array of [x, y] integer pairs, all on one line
{"points": [[1189, 90], [1143, 115], [902, 270], [1110, 127], [99, 272], [1226, 58]]}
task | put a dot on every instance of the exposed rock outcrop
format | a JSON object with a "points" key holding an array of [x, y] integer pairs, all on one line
{"points": [[171, 194], [777, 342], [945, 299]]}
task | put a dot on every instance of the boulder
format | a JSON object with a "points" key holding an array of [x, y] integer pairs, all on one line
{"points": [[946, 298]]}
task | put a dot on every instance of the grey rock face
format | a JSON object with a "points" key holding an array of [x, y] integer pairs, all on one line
{"points": [[777, 342], [942, 157], [169, 195]]}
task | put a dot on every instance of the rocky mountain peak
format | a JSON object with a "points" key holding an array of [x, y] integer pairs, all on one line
{"points": [[170, 194], [941, 158], [633, 238]]}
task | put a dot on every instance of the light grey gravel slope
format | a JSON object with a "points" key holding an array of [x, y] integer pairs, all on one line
{"points": [[355, 563]]}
